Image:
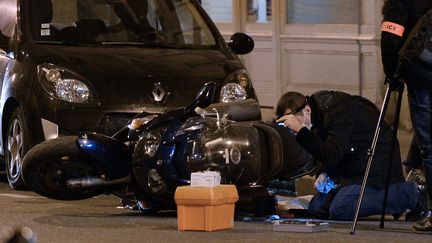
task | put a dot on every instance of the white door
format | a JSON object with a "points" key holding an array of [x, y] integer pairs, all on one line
{"points": [[307, 45]]}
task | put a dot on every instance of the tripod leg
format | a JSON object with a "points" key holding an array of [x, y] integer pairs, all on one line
{"points": [[371, 152], [393, 144]]}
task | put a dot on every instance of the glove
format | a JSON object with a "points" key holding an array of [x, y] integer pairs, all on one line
{"points": [[394, 83], [324, 184]]}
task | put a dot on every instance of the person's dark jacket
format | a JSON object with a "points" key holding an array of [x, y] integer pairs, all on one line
{"points": [[342, 132], [405, 13]]}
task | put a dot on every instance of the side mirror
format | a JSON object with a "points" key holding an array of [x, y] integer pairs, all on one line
{"points": [[204, 97], [241, 43]]}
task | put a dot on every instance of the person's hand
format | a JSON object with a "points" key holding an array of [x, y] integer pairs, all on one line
{"points": [[320, 181], [324, 184], [395, 83], [291, 122]]}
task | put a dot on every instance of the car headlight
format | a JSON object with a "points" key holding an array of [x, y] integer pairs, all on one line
{"points": [[64, 84], [241, 77], [232, 92], [237, 84]]}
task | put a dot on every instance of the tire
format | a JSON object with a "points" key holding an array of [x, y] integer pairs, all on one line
{"points": [[48, 166], [17, 143]]}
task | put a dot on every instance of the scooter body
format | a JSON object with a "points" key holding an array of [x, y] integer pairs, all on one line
{"points": [[156, 153]]}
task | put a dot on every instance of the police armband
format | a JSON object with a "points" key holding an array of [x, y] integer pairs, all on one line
{"points": [[393, 28]]}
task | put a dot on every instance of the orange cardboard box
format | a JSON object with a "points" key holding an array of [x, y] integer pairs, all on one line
{"points": [[205, 209]]}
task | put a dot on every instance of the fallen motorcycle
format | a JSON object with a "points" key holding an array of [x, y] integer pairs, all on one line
{"points": [[155, 153]]}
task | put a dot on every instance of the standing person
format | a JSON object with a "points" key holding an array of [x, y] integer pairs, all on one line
{"points": [[337, 129], [400, 16]]}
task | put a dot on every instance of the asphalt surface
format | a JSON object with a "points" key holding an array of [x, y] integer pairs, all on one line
{"points": [[99, 220]]}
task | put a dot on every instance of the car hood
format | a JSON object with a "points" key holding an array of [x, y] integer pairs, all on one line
{"points": [[128, 79]]}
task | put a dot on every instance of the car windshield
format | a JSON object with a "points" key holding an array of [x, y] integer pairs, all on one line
{"points": [[162, 23]]}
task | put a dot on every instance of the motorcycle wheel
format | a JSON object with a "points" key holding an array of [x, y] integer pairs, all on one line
{"points": [[48, 166]]}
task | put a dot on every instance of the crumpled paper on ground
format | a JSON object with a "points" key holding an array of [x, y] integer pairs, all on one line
{"points": [[286, 203]]}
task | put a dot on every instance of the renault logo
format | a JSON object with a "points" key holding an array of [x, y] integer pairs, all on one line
{"points": [[159, 94]]}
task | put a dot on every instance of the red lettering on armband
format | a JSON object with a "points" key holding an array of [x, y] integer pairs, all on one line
{"points": [[393, 28]]}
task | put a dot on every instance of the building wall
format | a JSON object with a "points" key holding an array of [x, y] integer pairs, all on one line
{"points": [[308, 57]]}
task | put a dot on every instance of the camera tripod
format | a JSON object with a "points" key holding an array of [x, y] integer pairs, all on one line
{"points": [[399, 87]]}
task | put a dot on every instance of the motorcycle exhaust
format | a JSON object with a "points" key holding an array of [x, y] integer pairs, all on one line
{"points": [[96, 181]]}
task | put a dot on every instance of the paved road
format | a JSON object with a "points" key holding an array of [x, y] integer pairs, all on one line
{"points": [[98, 220]]}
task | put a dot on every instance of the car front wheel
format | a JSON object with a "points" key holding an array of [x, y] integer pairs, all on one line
{"points": [[16, 146]]}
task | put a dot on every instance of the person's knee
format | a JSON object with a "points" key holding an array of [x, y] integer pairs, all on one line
{"points": [[342, 211], [343, 205]]}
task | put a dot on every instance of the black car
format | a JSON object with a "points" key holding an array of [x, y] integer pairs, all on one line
{"points": [[91, 65]]}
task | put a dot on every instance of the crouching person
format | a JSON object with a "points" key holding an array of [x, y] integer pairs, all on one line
{"points": [[337, 130]]}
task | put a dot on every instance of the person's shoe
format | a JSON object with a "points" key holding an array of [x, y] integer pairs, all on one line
{"points": [[424, 224], [417, 176], [397, 216], [421, 211]]}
